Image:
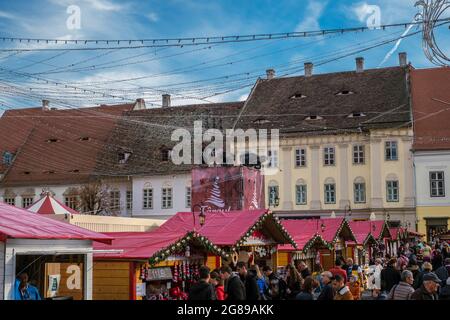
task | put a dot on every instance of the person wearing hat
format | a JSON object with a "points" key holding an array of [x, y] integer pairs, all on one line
{"points": [[444, 294], [327, 292], [428, 289]]}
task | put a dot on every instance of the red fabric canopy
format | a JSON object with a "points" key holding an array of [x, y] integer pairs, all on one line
{"points": [[49, 205], [22, 224], [399, 232], [221, 228], [306, 230]]}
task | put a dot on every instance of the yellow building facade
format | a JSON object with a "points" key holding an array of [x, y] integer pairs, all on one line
{"points": [[372, 172]]}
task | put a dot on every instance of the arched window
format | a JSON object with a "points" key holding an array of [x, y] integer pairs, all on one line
{"points": [[300, 192], [147, 196], [329, 191], [273, 196], [359, 190], [72, 198]]}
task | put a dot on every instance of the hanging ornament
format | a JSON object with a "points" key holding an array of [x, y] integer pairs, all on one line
{"points": [[175, 273], [187, 253]]}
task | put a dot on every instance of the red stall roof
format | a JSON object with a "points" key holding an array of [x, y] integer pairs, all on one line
{"points": [[22, 224], [363, 230], [227, 228], [307, 231], [220, 229], [150, 245]]}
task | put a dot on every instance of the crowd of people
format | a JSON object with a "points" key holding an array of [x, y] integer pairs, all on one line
{"points": [[420, 271]]}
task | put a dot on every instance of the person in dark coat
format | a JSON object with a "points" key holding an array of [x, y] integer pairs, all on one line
{"points": [[390, 276], [327, 292], [277, 286], [248, 277], [444, 293], [428, 289], [234, 287], [202, 290], [436, 261], [444, 272]]}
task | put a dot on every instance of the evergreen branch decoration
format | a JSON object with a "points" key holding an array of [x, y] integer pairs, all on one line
{"points": [[181, 244]]}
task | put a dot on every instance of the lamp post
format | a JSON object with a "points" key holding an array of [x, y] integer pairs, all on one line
{"points": [[201, 215], [387, 215]]}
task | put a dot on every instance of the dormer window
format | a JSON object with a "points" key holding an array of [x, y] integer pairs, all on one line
{"points": [[27, 172], [53, 140], [75, 171], [123, 157], [314, 117], [49, 172], [356, 114], [298, 96], [165, 154], [85, 139], [261, 121], [344, 93], [7, 158]]}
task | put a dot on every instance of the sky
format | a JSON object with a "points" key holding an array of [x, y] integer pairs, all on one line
{"points": [[192, 74]]}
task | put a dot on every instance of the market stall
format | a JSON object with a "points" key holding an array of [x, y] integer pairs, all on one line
{"points": [[56, 256], [166, 260], [319, 241], [362, 249], [251, 236], [160, 265]]}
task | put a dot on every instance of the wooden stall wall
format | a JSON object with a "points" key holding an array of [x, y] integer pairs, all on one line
{"points": [[2, 268], [111, 281]]}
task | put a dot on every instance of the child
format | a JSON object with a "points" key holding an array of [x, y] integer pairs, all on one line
{"points": [[217, 282], [355, 287]]}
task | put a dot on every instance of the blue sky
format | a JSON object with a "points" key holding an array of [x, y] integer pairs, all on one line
{"points": [[114, 19]]}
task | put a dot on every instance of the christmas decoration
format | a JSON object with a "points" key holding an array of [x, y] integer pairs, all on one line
{"points": [[215, 197]]}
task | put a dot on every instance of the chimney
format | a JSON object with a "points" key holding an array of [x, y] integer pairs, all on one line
{"points": [[308, 69], [359, 64], [165, 100], [45, 105], [139, 104], [270, 74], [402, 58]]}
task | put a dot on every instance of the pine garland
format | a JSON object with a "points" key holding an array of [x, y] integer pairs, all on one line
{"points": [[181, 244]]}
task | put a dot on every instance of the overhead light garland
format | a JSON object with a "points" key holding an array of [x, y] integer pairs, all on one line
{"points": [[181, 244], [258, 224]]}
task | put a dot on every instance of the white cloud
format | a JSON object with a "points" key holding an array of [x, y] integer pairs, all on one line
{"points": [[105, 5], [152, 16], [7, 15], [312, 15]]}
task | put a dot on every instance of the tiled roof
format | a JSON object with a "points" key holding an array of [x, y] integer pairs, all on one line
{"points": [[430, 94], [145, 133], [55, 146], [286, 103]]}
